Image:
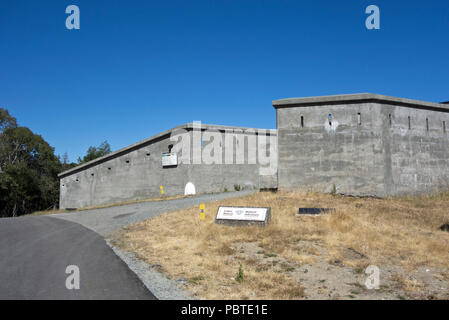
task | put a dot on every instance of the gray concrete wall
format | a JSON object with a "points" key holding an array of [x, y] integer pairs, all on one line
{"points": [[367, 149], [371, 158], [136, 172], [419, 157]]}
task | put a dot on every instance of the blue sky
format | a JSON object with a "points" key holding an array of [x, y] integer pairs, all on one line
{"points": [[136, 68]]}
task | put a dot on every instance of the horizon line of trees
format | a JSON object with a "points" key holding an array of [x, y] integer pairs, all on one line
{"points": [[29, 168]]}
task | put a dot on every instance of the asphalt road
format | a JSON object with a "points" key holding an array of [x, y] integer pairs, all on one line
{"points": [[36, 250], [34, 255]]}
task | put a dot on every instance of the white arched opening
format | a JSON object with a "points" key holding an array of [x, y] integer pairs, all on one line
{"points": [[190, 189]]}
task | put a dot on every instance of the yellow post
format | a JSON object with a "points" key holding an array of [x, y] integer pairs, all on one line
{"points": [[162, 190], [202, 212]]}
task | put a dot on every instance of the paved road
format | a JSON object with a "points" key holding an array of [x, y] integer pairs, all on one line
{"points": [[108, 220], [35, 252], [34, 255]]}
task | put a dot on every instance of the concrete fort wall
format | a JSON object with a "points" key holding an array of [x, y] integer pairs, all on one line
{"points": [[362, 145], [136, 172]]}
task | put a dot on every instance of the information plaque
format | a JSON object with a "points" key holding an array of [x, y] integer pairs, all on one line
{"points": [[243, 215]]}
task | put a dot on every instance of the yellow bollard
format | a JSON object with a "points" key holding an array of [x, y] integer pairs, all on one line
{"points": [[162, 190], [202, 212]]}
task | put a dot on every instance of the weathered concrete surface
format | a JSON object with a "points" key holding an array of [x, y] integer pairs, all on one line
{"points": [[367, 148], [136, 172]]}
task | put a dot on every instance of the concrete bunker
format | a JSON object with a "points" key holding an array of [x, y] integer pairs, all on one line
{"points": [[360, 144], [370, 145], [170, 159]]}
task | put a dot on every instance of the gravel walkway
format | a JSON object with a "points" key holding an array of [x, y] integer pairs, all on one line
{"points": [[108, 220]]}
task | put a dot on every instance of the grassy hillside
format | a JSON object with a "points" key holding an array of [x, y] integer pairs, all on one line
{"points": [[315, 257]]}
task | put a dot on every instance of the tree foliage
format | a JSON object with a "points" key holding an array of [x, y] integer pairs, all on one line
{"points": [[6, 120], [95, 152], [28, 170]]}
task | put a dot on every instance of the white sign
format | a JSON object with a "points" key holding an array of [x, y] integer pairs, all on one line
{"points": [[242, 213], [169, 159]]}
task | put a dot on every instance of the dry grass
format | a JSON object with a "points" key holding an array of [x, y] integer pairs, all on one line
{"points": [[46, 212], [124, 203], [396, 231]]}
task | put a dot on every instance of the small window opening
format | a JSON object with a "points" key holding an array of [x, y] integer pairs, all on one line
{"points": [[329, 117], [92, 174], [302, 121], [148, 154], [359, 118], [170, 146], [427, 124], [409, 123], [127, 161], [77, 180], [109, 168], [389, 119]]}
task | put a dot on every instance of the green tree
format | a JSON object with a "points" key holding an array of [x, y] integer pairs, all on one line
{"points": [[28, 172], [6, 120], [95, 152]]}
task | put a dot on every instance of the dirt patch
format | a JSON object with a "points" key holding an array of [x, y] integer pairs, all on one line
{"points": [[307, 257]]}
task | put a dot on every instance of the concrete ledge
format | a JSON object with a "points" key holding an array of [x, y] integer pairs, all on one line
{"points": [[158, 136], [357, 98]]}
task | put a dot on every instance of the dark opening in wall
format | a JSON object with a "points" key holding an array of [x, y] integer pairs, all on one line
{"points": [[409, 123], [109, 168], [148, 154], [127, 161], [359, 119], [92, 174], [170, 146], [329, 117], [427, 124], [77, 180], [389, 119], [302, 121]]}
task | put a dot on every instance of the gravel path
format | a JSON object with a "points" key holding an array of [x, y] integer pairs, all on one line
{"points": [[156, 282], [109, 220]]}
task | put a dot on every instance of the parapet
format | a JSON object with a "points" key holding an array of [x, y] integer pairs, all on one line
{"points": [[359, 98]]}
